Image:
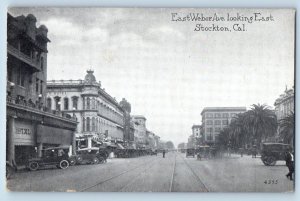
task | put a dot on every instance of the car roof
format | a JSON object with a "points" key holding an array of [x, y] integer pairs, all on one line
{"points": [[275, 143], [87, 149], [62, 147]]}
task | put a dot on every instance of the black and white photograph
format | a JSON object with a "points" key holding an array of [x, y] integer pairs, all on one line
{"points": [[103, 99]]}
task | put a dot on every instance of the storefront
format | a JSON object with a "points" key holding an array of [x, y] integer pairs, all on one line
{"points": [[24, 141], [28, 131]]}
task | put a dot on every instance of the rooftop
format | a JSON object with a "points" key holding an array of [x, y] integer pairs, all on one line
{"points": [[221, 109]]}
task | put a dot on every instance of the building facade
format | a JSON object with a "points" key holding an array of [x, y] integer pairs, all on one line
{"points": [[30, 125], [128, 126], [140, 130], [214, 119], [197, 133], [285, 104], [100, 117]]}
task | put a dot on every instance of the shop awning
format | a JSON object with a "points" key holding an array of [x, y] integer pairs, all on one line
{"points": [[52, 135]]}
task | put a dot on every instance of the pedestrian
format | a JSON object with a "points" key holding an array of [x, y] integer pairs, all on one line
{"points": [[164, 152], [289, 159]]}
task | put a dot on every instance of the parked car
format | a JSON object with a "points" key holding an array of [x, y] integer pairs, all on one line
{"points": [[57, 156], [190, 152], [272, 152], [90, 156]]}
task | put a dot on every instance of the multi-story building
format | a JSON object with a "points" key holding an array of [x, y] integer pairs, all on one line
{"points": [[128, 126], [30, 125], [140, 130], [99, 115], [285, 104], [197, 134], [214, 119], [196, 130]]}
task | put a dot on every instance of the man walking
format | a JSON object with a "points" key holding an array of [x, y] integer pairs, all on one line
{"points": [[164, 152], [290, 164]]}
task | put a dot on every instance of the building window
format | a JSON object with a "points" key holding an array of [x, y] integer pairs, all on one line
{"points": [[57, 103], [21, 77], [209, 115], [225, 115], [41, 87], [217, 129], [88, 103], [93, 124], [83, 124], [93, 103], [37, 86], [225, 122], [217, 122], [66, 103], [75, 102], [49, 103], [209, 122], [42, 63], [10, 74], [88, 124], [217, 115]]}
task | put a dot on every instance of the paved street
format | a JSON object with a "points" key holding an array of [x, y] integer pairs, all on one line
{"points": [[155, 174]]}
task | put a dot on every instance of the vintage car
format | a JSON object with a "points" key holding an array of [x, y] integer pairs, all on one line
{"points": [[203, 152], [272, 152], [90, 156], [190, 152], [53, 156]]}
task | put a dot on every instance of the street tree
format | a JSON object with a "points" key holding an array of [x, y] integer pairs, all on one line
{"points": [[287, 128], [261, 121]]}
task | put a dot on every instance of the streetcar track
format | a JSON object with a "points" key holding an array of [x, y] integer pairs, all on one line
{"points": [[172, 177], [113, 177], [196, 176], [136, 177]]}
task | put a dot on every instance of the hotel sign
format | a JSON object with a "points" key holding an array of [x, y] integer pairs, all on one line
{"points": [[23, 131]]}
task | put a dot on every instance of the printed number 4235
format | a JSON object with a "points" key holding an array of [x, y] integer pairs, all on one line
{"points": [[271, 181]]}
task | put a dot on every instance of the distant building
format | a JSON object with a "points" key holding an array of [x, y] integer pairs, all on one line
{"points": [[99, 115], [197, 132], [214, 119], [31, 126], [128, 126], [285, 104], [140, 130]]}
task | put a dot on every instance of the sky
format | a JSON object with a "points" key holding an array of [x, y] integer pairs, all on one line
{"points": [[165, 69]]}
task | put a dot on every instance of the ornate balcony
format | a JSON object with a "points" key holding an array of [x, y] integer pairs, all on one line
{"points": [[33, 62]]}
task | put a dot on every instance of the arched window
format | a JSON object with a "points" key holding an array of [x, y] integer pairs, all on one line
{"points": [[93, 124], [57, 103], [66, 103], [88, 103], [49, 103], [88, 124], [93, 103], [83, 125], [75, 102]]}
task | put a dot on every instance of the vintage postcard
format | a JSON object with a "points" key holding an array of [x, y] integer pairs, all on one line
{"points": [[150, 99]]}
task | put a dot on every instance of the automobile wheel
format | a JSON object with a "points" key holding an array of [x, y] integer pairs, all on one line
{"points": [[33, 166], [271, 160], [64, 164], [95, 160], [101, 160]]}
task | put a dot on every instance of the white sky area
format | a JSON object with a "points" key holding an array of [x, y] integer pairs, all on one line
{"points": [[166, 70]]}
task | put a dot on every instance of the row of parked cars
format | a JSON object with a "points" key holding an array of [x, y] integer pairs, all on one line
{"points": [[58, 156], [270, 152]]}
